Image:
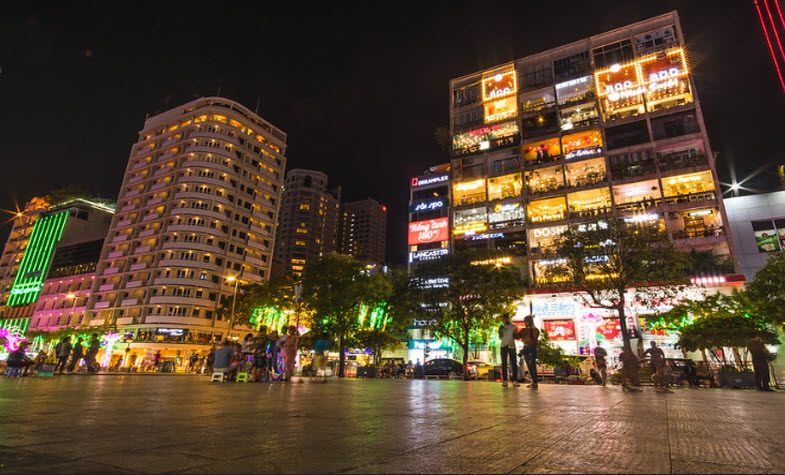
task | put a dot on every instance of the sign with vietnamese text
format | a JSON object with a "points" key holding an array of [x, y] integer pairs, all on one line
{"points": [[429, 230]]}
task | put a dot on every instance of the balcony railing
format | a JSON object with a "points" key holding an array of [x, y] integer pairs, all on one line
{"points": [[589, 213], [708, 232], [675, 161], [638, 205], [538, 108], [586, 180], [544, 187], [542, 159], [470, 199], [630, 170], [691, 198]]}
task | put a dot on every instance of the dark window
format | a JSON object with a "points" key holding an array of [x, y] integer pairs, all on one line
{"points": [[540, 124], [615, 53], [628, 134], [571, 67], [674, 125], [307, 180], [537, 75]]}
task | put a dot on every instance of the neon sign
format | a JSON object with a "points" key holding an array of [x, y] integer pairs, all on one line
{"points": [[649, 74], [429, 180], [480, 237], [499, 84], [428, 254], [427, 205], [430, 230]]}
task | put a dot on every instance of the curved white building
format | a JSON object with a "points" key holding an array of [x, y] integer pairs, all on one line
{"points": [[198, 205]]}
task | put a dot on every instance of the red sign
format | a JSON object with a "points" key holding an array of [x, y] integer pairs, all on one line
{"points": [[610, 328], [560, 330], [430, 230]]}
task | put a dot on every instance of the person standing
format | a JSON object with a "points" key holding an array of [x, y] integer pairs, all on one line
{"points": [[77, 355], [600, 356], [320, 347], [629, 372], [62, 353], [760, 363], [507, 334], [192, 362], [211, 359], [657, 364], [92, 352], [290, 352], [530, 335]]}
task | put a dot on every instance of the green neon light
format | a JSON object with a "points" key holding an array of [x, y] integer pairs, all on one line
{"points": [[19, 324], [47, 231], [271, 317]]}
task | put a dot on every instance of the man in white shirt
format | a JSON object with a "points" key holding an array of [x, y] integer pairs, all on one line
{"points": [[507, 334]]}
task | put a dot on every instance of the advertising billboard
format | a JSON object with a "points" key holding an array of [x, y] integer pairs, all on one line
{"points": [[429, 230], [498, 84], [426, 180], [424, 206], [559, 330]]}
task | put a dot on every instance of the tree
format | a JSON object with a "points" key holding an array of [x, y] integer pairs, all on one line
{"points": [[377, 340], [336, 286], [256, 300], [548, 353], [716, 322], [766, 292], [443, 138], [708, 262], [479, 290], [604, 259]]}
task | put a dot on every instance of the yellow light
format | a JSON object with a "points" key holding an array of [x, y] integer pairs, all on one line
{"points": [[470, 185], [498, 262], [231, 278], [70, 295]]}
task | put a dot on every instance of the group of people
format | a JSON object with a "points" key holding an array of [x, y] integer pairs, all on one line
{"points": [[508, 334], [66, 355], [266, 356]]}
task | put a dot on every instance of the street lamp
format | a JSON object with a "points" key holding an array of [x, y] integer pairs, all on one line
{"points": [[72, 296], [236, 281]]}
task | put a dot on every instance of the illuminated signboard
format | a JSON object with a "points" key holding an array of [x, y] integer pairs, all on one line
{"points": [[481, 237], [428, 254], [429, 230], [170, 331], [565, 307], [500, 109], [559, 330], [432, 283], [484, 138], [428, 205], [47, 231], [424, 180], [498, 84]]}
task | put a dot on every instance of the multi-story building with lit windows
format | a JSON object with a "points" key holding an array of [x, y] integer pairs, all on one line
{"points": [[50, 262], [363, 230], [196, 217], [308, 224], [607, 126], [429, 215]]}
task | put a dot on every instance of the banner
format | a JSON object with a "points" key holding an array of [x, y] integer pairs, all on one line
{"points": [[430, 230]]}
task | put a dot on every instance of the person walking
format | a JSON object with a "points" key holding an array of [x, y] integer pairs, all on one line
{"points": [[192, 362], [600, 358], [77, 355], [657, 364], [92, 352], [507, 333], [62, 352], [211, 360], [530, 335], [320, 347], [290, 352], [760, 363]]}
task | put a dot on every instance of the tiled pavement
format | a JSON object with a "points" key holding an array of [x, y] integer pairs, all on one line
{"points": [[81, 424]]}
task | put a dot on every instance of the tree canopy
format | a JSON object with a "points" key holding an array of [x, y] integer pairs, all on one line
{"points": [[766, 291]]}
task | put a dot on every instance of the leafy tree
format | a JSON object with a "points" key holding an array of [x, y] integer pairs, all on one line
{"points": [[443, 138], [766, 292], [378, 341], [275, 294], [479, 291], [708, 262], [335, 287], [548, 353], [606, 258]]}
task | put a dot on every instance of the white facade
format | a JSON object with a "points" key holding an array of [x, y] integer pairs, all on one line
{"points": [[754, 246]]}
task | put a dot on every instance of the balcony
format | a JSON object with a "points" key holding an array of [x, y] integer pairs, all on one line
{"points": [[102, 304], [691, 198], [158, 186], [120, 238], [129, 302], [97, 322], [699, 238], [125, 321], [106, 287], [131, 193], [133, 284], [150, 216], [639, 205], [142, 249], [138, 266], [146, 233], [154, 201], [589, 213], [111, 270], [542, 159], [188, 263], [590, 179], [115, 254], [124, 223], [537, 108], [675, 161], [631, 170], [127, 208]]}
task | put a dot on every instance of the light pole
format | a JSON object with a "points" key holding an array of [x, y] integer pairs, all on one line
{"points": [[72, 296], [236, 281]]}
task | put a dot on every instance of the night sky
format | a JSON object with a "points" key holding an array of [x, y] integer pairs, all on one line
{"points": [[359, 89]]}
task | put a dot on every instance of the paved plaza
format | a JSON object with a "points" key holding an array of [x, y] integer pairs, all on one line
{"points": [[155, 424]]}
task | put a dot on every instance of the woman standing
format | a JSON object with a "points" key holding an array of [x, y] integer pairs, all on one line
{"points": [[290, 352]]}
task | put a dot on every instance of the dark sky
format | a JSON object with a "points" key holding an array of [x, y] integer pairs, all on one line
{"points": [[359, 88]]}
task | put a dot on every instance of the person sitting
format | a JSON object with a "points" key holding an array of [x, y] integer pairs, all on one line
{"points": [[18, 358], [223, 359]]}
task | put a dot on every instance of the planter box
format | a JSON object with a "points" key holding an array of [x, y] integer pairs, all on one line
{"points": [[733, 379]]}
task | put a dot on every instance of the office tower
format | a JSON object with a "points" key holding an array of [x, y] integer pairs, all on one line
{"points": [[604, 127], [308, 225], [429, 215], [363, 230], [56, 247], [195, 220]]}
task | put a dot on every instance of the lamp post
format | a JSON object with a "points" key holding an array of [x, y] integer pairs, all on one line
{"points": [[72, 296], [236, 281]]}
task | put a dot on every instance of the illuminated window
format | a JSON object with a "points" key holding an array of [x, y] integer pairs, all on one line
{"points": [[305, 206], [667, 79], [469, 192], [298, 261], [470, 221], [542, 151], [690, 184], [297, 268], [544, 179], [299, 243], [590, 202], [302, 231], [201, 118], [544, 239], [507, 186], [551, 209], [586, 172], [218, 118], [582, 144], [506, 214], [637, 195]]}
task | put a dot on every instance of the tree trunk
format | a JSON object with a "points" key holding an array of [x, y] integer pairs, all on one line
{"points": [[625, 335], [341, 357], [465, 359]]}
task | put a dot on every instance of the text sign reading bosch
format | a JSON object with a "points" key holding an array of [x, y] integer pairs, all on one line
{"points": [[428, 205], [425, 180]]}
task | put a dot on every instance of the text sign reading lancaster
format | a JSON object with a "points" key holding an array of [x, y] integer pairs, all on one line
{"points": [[425, 180], [428, 254], [428, 205], [429, 230]]}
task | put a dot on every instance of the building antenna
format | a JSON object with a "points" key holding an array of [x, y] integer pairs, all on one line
{"points": [[258, 99], [219, 91]]}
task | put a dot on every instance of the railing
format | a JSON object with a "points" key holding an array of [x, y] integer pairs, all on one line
{"points": [[589, 213], [629, 170], [542, 159], [470, 199], [538, 108], [586, 180], [544, 188], [711, 231], [691, 198], [674, 161], [646, 203]]}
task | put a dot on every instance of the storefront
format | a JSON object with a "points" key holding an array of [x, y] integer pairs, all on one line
{"points": [[542, 151], [545, 179], [551, 209], [589, 202], [586, 172]]}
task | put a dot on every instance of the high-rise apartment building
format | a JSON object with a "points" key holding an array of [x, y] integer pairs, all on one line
{"points": [[308, 224], [607, 126], [363, 230], [50, 260], [196, 217]]}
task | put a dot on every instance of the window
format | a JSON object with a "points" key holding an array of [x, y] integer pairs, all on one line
{"points": [[305, 206], [628, 134], [537, 74], [507, 186], [506, 214], [543, 180], [689, 184], [299, 243], [551, 209], [674, 125], [637, 195], [614, 53], [572, 66], [470, 221], [590, 202], [582, 144], [469, 192], [542, 151], [586, 172]]}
